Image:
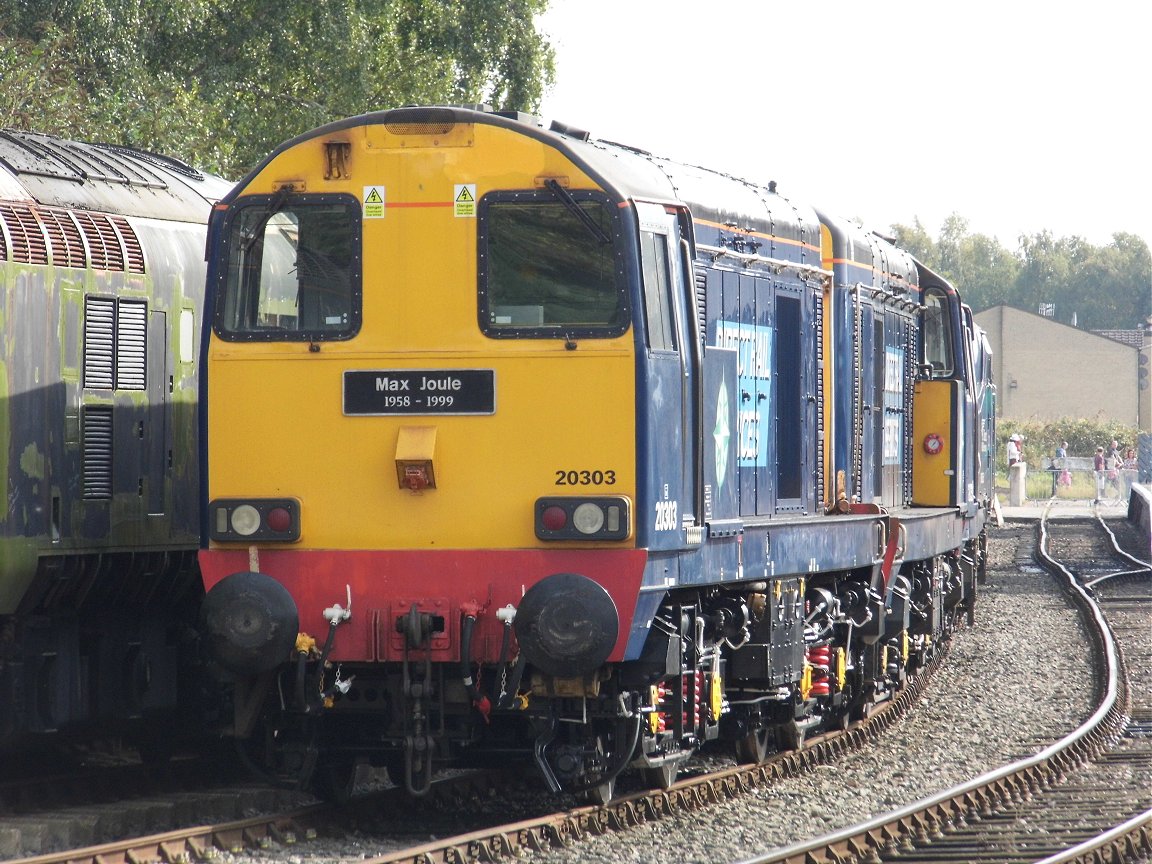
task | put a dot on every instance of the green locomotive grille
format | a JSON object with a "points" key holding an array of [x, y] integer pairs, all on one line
{"points": [[96, 432], [115, 344], [99, 342], [131, 345]]}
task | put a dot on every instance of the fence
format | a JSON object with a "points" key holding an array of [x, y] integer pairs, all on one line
{"points": [[1075, 477]]}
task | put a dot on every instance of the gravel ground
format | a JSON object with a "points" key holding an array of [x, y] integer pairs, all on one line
{"points": [[970, 720], [1009, 687]]}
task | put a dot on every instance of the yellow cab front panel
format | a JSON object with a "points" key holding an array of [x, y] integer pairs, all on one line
{"points": [[400, 417]]}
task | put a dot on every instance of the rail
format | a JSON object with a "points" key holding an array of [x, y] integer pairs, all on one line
{"points": [[993, 789]]}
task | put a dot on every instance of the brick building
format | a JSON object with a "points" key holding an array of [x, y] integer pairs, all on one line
{"points": [[1045, 370]]}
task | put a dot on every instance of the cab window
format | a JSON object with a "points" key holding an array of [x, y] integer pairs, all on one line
{"points": [[937, 334], [550, 265], [657, 293], [293, 269]]}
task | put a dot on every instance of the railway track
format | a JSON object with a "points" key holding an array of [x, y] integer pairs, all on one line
{"points": [[984, 814], [1087, 797], [461, 793]]}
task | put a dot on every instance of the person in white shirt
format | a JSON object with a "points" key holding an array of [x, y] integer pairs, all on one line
{"points": [[1013, 450]]}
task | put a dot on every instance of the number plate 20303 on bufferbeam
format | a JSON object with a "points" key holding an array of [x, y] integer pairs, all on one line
{"points": [[419, 391]]}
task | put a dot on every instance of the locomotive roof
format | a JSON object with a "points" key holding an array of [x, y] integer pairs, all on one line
{"points": [[626, 171], [57, 172], [892, 268]]}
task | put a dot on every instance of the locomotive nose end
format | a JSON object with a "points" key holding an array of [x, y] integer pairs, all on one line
{"points": [[566, 625], [250, 623]]}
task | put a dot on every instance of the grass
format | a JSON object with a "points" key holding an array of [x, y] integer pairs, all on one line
{"points": [[1038, 486]]}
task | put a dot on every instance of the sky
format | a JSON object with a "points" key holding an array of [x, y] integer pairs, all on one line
{"points": [[1019, 116]]}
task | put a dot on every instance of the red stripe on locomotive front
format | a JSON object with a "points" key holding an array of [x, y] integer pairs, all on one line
{"points": [[384, 586]]}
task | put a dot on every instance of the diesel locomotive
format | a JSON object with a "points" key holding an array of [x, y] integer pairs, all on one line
{"points": [[102, 272], [521, 443]]}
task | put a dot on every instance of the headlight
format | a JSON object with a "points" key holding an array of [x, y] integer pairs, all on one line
{"points": [[245, 520], [588, 518]]}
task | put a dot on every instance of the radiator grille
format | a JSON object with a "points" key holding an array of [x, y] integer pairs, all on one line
{"points": [[99, 342], [115, 344], [131, 344], [96, 434]]}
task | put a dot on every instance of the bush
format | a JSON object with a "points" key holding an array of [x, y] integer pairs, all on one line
{"points": [[1042, 438]]}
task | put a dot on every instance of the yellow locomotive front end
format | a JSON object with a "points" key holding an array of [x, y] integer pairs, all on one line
{"points": [[420, 406]]}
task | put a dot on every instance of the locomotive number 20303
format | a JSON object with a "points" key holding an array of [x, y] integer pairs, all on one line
{"points": [[569, 477]]}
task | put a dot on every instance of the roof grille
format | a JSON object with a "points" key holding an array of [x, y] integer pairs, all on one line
{"points": [[68, 238], [23, 235], [103, 241], [420, 121], [67, 244], [133, 254]]}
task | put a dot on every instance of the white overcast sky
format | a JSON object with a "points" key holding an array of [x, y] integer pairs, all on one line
{"points": [[1019, 116]]}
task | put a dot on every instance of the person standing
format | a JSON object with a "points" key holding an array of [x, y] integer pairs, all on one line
{"points": [[1128, 473], [1062, 459], [1112, 463], [1098, 468], [1013, 449]]}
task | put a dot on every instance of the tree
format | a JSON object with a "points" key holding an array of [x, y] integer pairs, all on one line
{"points": [[917, 242], [977, 265], [1096, 287], [221, 82]]}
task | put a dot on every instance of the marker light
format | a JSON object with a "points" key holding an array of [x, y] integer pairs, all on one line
{"points": [[279, 520], [554, 518]]}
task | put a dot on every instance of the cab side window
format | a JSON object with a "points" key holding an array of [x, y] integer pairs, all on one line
{"points": [[657, 296], [937, 335]]}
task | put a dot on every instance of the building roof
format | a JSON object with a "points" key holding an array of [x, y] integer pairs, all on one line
{"points": [[1135, 338]]}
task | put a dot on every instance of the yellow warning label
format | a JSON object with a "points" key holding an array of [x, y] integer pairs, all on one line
{"points": [[464, 201], [373, 202]]}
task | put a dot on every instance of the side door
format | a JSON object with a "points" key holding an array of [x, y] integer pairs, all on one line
{"points": [[868, 410], [671, 367]]}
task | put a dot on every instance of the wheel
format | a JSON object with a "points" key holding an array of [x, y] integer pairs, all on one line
{"points": [[841, 720], [791, 736], [600, 795], [754, 747], [334, 781], [611, 757], [661, 776]]}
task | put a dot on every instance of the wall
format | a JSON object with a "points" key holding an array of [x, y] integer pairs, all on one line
{"points": [[1045, 370]]}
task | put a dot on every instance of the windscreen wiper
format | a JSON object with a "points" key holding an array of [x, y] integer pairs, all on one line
{"points": [[275, 205], [568, 201]]}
